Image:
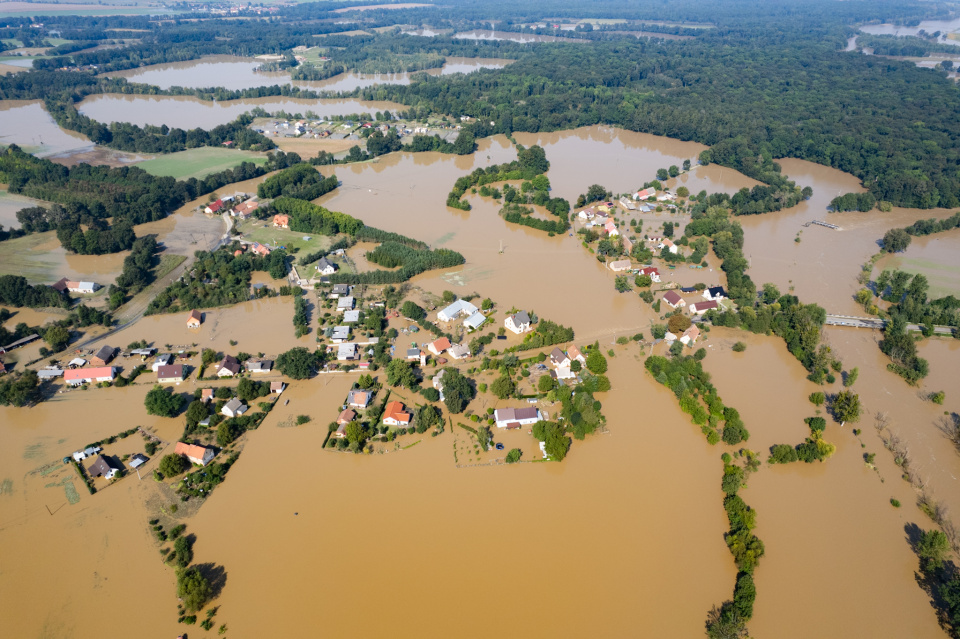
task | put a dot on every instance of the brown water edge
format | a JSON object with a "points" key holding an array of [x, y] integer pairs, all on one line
{"points": [[28, 125], [187, 112], [936, 256], [471, 531], [834, 543], [824, 265]]}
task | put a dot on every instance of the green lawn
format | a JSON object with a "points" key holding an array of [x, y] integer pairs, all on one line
{"points": [[263, 232], [200, 162]]}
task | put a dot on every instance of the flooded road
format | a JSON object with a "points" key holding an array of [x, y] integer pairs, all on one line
{"points": [[187, 112]]}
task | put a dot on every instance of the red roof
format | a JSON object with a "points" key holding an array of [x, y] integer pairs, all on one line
{"points": [[215, 206], [88, 373], [441, 345], [671, 298], [190, 450], [395, 410]]}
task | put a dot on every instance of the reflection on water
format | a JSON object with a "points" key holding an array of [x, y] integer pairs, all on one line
{"points": [[187, 112]]}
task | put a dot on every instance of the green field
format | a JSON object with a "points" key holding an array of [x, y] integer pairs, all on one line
{"points": [[261, 231], [200, 162]]}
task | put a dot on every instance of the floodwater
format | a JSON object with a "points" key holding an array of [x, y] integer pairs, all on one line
{"points": [[27, 124], [187, 112], [858, 577], [10, 203], [930, 26], [513, 36], [936, 256], [42, 260], [824, 265], [237, 73]]}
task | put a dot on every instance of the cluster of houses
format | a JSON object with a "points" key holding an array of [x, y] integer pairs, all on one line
{"points": [[394, 413], [238, 205], [562, 362], [103, 466], [710, 300], [474, 319]]}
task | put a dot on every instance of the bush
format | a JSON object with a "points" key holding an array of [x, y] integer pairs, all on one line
{"points": [[173, 464], [514, 455], [739, 347]]}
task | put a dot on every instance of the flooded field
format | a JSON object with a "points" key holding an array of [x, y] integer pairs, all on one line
{"points": [[824, 265], [27, 124], [513, 36], [10, 203], [936, 256], [40, 258], [188, 112], [237, 73], [930, 26]]}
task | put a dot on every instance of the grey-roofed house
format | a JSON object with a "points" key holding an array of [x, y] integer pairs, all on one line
{"points": [[359, 398], [345, 303], [351, 317], [339, 290], [340, 334], [326, 267], [475, 321], [259, 365], [49, 373], [103, 356], [234, 408], [162, 360], [347, 351], [714, 293], [518, 322]]}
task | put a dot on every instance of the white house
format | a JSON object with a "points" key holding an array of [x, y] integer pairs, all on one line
{"points": [[340, 334], [455, 310], [79, 376], [345, 303], [439, 346], [347, 352], [351, 317], [516, 417], [645, 193], [475, 321], [518, 322], [162, 360], [200, 455], [326, 267], [170, 374], [80, 455], [611, 228], [619, 266], [667, 244], [652, 272], [458, 351], [559, 359], [690, 335], [714, 293], [673, 299], [234, 408], [702, 307]]}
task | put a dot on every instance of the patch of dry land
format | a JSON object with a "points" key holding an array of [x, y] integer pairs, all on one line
{"points": [[309, 147]]}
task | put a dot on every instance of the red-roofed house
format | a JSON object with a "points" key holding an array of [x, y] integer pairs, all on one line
{"points": [[214, 207], [395, 415], [439, 346], [78, 376], [196, 454], [673, 299], [282, 221], [260, 249], [652, 272], [702, 307], [194, 319]]}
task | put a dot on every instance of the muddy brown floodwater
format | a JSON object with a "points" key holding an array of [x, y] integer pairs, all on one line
{"points": [[625, 536], [188, 112], [27, 124]]}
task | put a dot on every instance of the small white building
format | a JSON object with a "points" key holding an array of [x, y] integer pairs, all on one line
{"points": [[162, 360], [351, 317], [516, 417], [518, 322], [458, 351], [475, 321], [345, 303], [619, 266], [340, 334], [455, 310], [234, 408]]}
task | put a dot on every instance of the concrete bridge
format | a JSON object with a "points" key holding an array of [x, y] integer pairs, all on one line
{"points": [[877, 323]]}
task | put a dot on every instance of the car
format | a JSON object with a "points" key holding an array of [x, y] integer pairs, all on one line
{"points": [[499, 446]]}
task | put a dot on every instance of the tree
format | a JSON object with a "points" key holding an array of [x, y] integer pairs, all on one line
{"points": [[20, 389], [851, 377], [427, 417], [184, 551], [163, 402], [621, 283], [817, 398], [448, 296], [226, 433], [846, 406], [400, 373], [545, 384], [514, 455], [683, 191], [457, 391], [678, 323], [896, 240], [932, 548], [663, 174], [172, 465], [197, 411], [503, 387], [413, 311], [209, 356], [57, 337], [643, 281], [596, 362], [297, 363], [193, 589]]}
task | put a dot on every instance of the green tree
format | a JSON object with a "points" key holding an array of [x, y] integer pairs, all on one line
{"points": [[184, 551], [413, 311], [621, 283], [683, 191], [427, 417], [846, 406], [932, 548], [678, 323], [503, 387], [163, 402], [457, 391], [817, 398], [197, 411], [896, 240], [400, 373], [297, 363], [193, 589], [643, 281], [596, 362], [57, 337], [172, 465], [545, 384], [514, 455], [20, 389], [851, 377], [448, 296]]}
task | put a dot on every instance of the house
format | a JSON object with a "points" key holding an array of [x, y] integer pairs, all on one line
{"points": [[610, 228], [359, 398], [439, 346], [702, 307], [195, 319], [459, 351], [103, 356], [245, 209], [43, 373], [102, 468], [455, 310], [345, 303], [563, 372], [475, 321], [199, 455], [438, 383], [277, 388], [142, 352], [690, 335], [326, 267], [714, 293], [75, 287], [258, 366], [627, 244], [673, 299], [80, 455], [652, 272], [77, 362], [666, 197], [214, 207], [670, 337], [20, 342], [339, 334], [518, 322], [79, 376], [345, 417], [645, 193], [395, 415], [667, 244], [228, 367], [347, 352], [234, 408], [559, 359], [627, 204], [415, 354], [206, 395], [516, 417], [655, 239], [162, 360], [573, 353], [138, 460], [259, 249], [586, 214], [619, 266], [170, 374], [351, 317], [281, 221], [339, 290]]}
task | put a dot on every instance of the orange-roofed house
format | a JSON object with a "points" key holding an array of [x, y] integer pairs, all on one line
{"points": [[439, 346], [196, 454], [281, 221], [78, 376], [260, 249], [194, 319], [346, 417], [206, 395], [394, 415]]}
